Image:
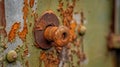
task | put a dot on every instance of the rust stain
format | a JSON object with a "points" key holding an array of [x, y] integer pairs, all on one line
{"points": [[23, 33], [67, 17], [27, 63], [66, 13], [68, 20], [73, 26], [49, 59], [25, 10], [31, 3], [43, 56], [2, 19], [13, 31]]}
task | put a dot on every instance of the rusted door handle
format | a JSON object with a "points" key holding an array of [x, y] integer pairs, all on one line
{"points": [[59, 35], [48, 33]]}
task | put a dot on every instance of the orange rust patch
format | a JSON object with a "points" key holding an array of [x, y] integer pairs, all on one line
{"points": [[23, 33], [72, 31], [13, 31], [49, 59], [43, 56], [67, 17], [25, 9], [25, 12], [31, 3]]}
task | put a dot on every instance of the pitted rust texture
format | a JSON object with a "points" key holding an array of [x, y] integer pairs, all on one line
{"points": [[67, 17], [49, 59], [2, 19], [76, 41], [47, 19], [59, 35], [47, 34]]}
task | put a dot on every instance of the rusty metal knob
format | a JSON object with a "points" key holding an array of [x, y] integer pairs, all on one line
{"points": [[48, 33], [59, 35]]}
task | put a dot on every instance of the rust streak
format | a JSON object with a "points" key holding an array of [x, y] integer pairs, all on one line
{"points": [[27, 63], [2, 19], [25, 10], [31, 3], [23, 33], [13, 31]]}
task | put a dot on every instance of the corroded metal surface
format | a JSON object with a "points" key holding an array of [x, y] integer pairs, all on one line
{"points": [[25, 13]]}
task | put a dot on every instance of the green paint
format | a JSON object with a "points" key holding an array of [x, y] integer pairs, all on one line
{"points": [[98, 14]]}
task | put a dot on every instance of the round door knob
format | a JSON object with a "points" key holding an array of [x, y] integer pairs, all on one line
{"points": [[60, 35]]}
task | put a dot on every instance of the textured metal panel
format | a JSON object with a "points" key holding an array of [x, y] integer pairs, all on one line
{"points": [[98, 15]]}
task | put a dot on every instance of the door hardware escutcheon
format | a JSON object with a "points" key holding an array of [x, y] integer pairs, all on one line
{"points": [[48, 33]]}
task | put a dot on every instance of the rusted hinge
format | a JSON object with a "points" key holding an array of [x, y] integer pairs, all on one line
{"points": [[113, 41]]}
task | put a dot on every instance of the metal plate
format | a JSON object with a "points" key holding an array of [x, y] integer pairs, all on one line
{"points": [[47, 19]]}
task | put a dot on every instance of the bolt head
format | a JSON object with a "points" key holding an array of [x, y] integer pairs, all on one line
{"points": [[82, 30], [11, 56]]}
